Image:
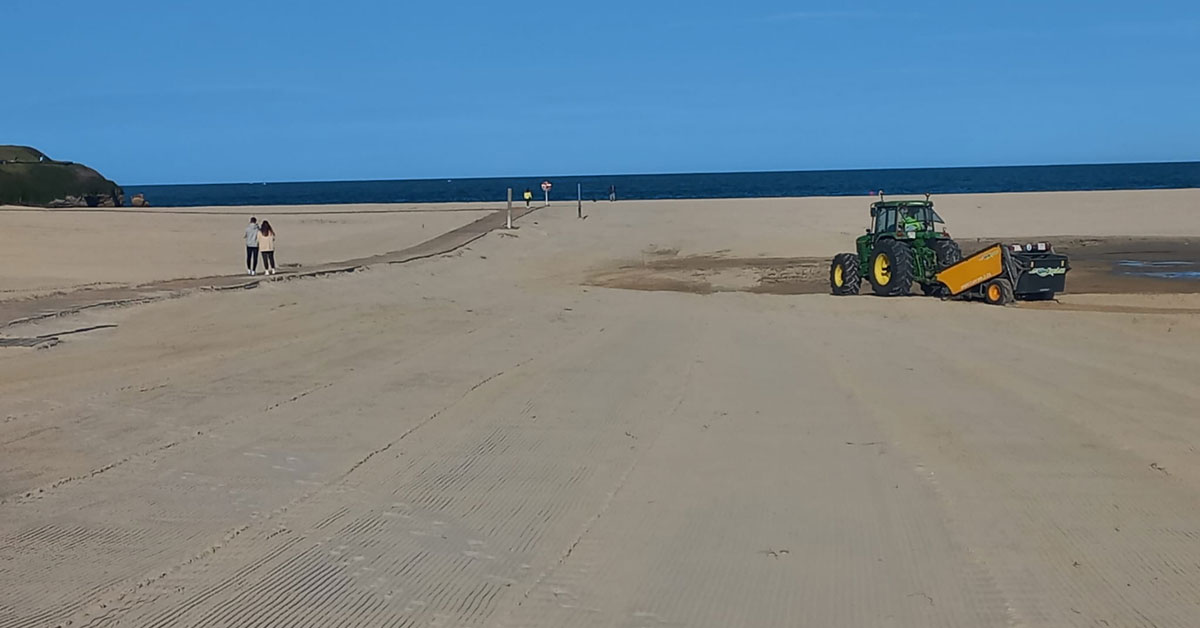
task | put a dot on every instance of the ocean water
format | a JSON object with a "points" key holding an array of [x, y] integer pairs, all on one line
{"points": [[1180, 269], [713, 185]]}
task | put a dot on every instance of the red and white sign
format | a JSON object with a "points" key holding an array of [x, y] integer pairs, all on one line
{"points": [[546, 186]]}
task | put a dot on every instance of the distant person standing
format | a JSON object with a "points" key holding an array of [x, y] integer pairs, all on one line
{"points": [[252, 246], [612, 193], [266, 245], [528, 197]]}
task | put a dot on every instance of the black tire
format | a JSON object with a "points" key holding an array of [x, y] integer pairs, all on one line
{"points": [[933, 289], [998, 292], [848, 280], [891, 269], [947, 251]]}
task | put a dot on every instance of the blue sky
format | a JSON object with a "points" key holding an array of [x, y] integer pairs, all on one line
{"points": [[173, 92]]}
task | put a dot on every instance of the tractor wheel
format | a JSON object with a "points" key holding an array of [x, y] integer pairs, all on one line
{"points": [[891, 269], [947, 252], [844, 274], [933, 289], [998, 292]]}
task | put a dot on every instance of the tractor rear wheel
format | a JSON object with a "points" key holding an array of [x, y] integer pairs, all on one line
{"points": [[998, 292], [844, 274], [947, 251], [891, 269]]}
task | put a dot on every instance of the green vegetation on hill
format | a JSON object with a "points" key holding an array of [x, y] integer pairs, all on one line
{"points": [[28, 177], [20, 153]]}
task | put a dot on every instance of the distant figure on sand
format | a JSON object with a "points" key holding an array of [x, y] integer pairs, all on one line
{"points": [[528, 197], [252, 246], [266, 244], [612, 193]]}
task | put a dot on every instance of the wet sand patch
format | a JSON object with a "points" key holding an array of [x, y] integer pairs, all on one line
{"points": [[1110, 265]]}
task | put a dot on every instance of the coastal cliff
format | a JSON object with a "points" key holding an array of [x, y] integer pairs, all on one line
{"points": [[29, 177]]}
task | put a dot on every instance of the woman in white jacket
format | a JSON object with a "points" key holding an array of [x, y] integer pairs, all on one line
{"points": [[266, 246]]}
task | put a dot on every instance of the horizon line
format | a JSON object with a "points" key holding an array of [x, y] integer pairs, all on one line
{"points": [[662, 174]]}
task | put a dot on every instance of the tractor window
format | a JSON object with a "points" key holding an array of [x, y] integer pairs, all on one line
{"points": [[925, 215], [885, 220]]}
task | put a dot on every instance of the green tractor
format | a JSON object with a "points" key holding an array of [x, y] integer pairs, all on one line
{"points": [[903, 246]]}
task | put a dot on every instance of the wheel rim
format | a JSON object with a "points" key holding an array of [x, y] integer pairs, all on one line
{"points": [[883, 269], [993, 292], [837, 276]]}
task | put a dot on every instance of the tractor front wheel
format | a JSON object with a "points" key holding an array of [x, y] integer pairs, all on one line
{"points": [[998, 292], [934, 290], [947, 251], [844, 274], [891, 269]]}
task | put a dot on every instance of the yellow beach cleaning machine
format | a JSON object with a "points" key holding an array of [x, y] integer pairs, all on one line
{"points": [[1000, 274]]}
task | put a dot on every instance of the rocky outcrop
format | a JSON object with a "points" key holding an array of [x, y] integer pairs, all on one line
{"points": [[87, 200], [139, 201], [29, 177]]}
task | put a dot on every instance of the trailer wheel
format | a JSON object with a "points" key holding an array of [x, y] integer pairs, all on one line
{"points": [[891, 269], [844, 274], [998, 292]]}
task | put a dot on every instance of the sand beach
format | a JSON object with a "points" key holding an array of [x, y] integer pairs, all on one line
{"points": [[655, 416]]}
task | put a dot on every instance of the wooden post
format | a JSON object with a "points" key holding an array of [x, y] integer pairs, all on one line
{"points": [[579, 199], [509, 208]]}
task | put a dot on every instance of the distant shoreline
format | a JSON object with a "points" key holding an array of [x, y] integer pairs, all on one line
{"points": [[676, 174], [781, 184]]}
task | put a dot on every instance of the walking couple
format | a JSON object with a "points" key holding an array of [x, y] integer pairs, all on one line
{"points": [[260, 238]]}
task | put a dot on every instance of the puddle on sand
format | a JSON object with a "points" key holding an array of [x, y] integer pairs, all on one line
{"points": [[1160, 269]]}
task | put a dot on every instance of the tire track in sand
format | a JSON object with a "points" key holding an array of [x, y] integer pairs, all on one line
{"points": [[110, 605], [149, 455], [443, 528]]}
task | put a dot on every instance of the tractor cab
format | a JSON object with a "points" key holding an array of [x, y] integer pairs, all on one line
{"points": [[904, 219]]}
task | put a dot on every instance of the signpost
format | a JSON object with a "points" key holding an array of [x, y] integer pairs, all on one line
{"points": [[546, 188]]}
